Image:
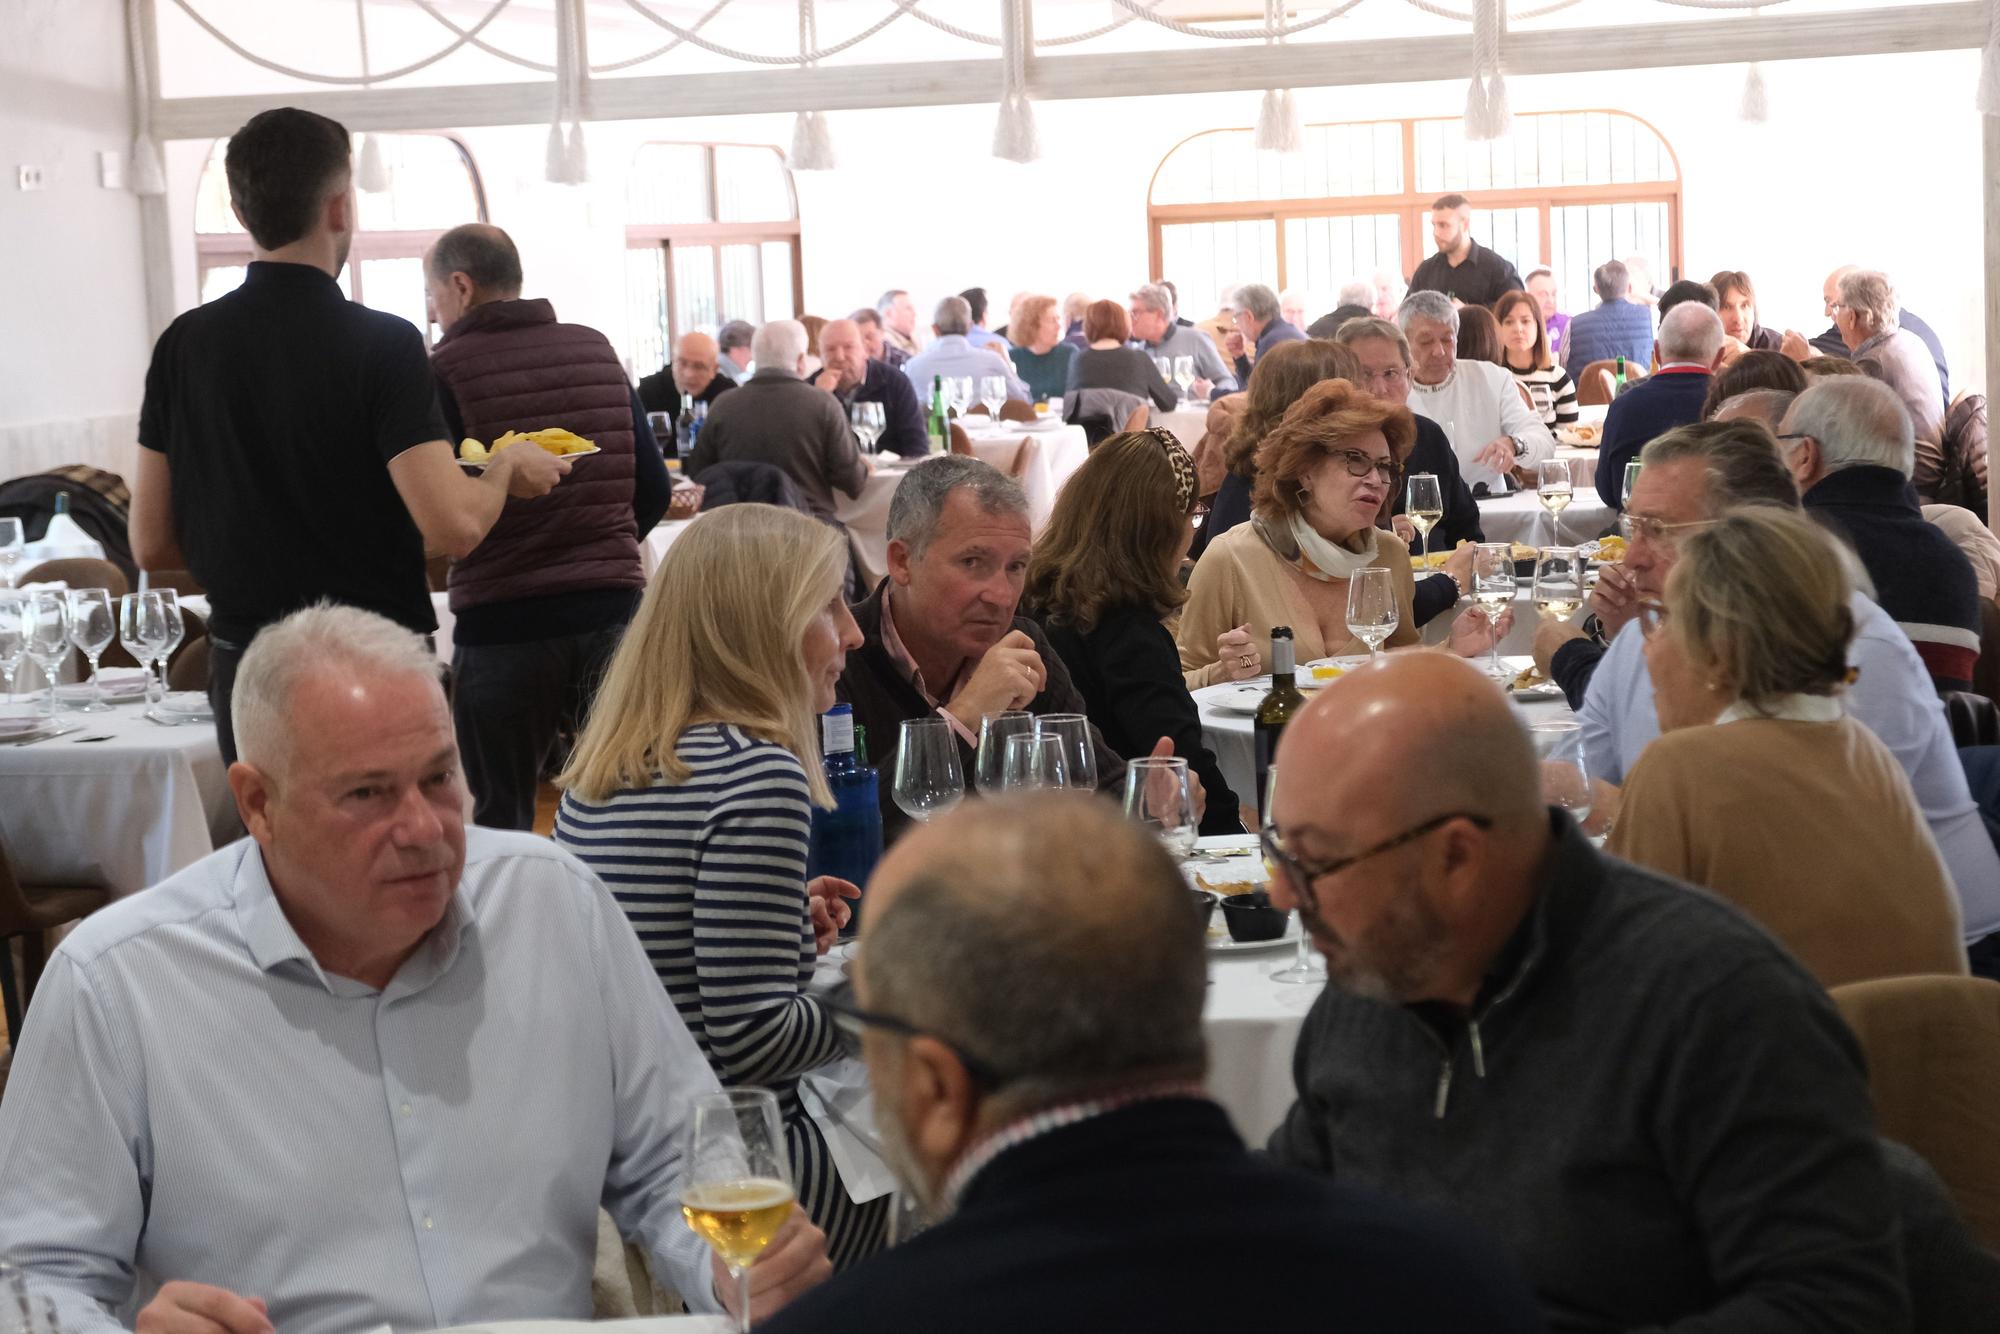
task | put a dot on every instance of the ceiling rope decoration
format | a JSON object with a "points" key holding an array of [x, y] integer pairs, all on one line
{"points": [[149, 175], [1278, 128], [812, 141], [372, 174], [1988, 99]]}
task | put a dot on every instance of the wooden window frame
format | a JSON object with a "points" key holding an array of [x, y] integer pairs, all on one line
{"points": [[1409, 206], [667, 235]]}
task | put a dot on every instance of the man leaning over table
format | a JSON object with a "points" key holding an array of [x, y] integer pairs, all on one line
{"points": [[940, 636], [291, 448], [541, 603], [362, 1068]]}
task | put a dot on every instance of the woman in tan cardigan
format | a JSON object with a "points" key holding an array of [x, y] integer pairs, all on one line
{"points": [[1759, 787], [1323, 476]]}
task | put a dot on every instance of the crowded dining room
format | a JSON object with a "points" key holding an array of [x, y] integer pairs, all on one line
{"points": [[900, 666]]}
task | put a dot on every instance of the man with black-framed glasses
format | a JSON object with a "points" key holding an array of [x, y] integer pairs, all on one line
{"points": [[1654, 1108], [1028, 997]]}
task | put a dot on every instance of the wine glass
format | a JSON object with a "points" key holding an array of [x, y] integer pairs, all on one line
{"points": [[142, 627], [1184, 376], [46, 622], [170, 604], [1160, 796], [1631, 476], [993, 393], [1423, 502], [738, 1191], [1559, 582], [929, 779], [1079, 749], [92, 627], [1565, 773], [1165, 366], [1306, 965], [1493, 589], [13, 548], [1554, 492], [1033, 761], [960, 389], [13, 638], [995, 729], [1372, 615], [869, 423]]}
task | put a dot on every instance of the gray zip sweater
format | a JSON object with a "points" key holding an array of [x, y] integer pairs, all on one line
{"points": [[1652, 1107]]}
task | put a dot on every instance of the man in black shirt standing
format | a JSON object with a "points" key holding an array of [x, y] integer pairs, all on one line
{"points": [[291, 448], [1462, 269]]}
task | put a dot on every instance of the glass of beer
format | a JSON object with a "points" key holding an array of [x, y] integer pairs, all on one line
{"points": [[739, 1180]]}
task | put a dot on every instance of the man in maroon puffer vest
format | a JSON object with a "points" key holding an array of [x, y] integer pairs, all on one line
{"points": [[542, 602]]}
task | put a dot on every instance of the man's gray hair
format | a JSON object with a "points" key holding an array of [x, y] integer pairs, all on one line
{"points": [[1859, 423], [920, 497], [320, 638], [1363, 327], [953, 316], [1429, 306], [483, 253], [1740, 458], [1155, 298], [1356, 292], [735, 334], [887, 301], [1768, 406], [779, 345], [1691, 332], [1870, 293], [1612, 280], [1256, 298]]}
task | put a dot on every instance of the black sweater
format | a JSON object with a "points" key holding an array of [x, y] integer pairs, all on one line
{"points": [[1123, 368], [1130, 674]]}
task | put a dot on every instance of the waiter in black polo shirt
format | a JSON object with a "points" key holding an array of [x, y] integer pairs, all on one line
{"points": [[1462, 268], [291, 448]]}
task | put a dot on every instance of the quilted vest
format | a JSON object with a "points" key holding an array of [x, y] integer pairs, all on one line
{"points": [[512, 367]]}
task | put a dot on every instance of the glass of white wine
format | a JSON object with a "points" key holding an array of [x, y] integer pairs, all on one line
{"points": [[1184, 376], [1559, 582], [738, 1191], [1372, 615], [1493, 589], [1554, 493], [1423, 502]]}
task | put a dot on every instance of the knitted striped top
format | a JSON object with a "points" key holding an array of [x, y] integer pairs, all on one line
{"points": [[712, 874], [1552, 393]]}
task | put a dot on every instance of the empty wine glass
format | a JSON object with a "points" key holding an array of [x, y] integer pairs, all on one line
{"points": [[738, 1190], [1372, 615], [1165, 366], [1631, 476], [994, 731], [13, 549], [142, 628], [1565, 774], [929, 779], [1184, 376], [1079, 748], [1493, 589], [1423, 502], [46, 623], [13, 638], [92, 627], [1160, 796], [1033, 761], [1558, 585], [993, 393], [170, 604], [869, 423], [1306, 966], [1554, 493], [960, 387]]}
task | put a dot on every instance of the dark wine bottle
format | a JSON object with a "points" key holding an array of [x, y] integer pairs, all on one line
{"points": [[1278, 707]]}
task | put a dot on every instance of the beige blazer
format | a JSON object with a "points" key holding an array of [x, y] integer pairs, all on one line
{"points": [[1240, 580]]}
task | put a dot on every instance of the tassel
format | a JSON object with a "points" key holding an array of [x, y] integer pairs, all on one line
{"points": [[1756, 106], [1278, 128], [149, 177], [1476, 112], [1487, 115], [373, 174], [577, 158], [812, 143], [1015, 138], [1989, 63], [556, 158], [1499, 116]]}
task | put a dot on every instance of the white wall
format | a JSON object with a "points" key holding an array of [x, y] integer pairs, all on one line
{"points": [[74, 346]]}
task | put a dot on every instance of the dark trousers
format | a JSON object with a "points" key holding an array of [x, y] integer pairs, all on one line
{"points": [[509, 702], [1984, 957], [223, 660]]}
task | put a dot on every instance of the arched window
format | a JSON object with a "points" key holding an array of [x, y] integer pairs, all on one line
{"points": [[1568, 189], [433, 186], [712, 235]]}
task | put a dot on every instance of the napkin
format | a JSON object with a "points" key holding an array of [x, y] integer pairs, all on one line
{"points": [[838, 1099]]}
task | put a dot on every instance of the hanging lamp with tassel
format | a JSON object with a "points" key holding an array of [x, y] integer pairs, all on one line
{"points": [[1014, 135], [1989, 63], [567, 160], [1487, 113], [372, 175], [1278, 128], [149, 175], [812, 139]]}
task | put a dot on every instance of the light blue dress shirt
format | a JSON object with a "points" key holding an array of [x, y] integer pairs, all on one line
{"points": [[1892, 696], [194, 1098], [953, 355]]}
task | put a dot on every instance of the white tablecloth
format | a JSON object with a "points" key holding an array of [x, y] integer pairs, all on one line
{"points": [[127, 812], [1229, 733], [1521, 518], [1187, 422]]}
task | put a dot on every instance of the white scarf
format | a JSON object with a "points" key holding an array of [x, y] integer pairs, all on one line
{"points": [[1312, 555]]}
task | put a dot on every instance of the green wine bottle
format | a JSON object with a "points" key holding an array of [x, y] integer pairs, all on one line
{"points": [[940, 419], [1279, 706]]}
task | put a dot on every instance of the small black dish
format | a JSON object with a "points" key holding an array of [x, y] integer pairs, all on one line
{"points": [[1250, 917], [1204, 907]]}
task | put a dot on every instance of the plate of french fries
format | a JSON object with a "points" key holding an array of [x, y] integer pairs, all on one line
{"points": [[1580, 436], [565, 444]]}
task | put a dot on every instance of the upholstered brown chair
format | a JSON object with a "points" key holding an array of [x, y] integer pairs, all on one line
{"points": [[1596, 384], [28, 913], [1014, 410], [1933, 1049], [961, 443]]}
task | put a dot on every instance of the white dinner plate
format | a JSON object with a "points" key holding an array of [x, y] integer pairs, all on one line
{"points": [[1227, 945], [191, 705], [1240, 697], [479, 465], [16, 727]]}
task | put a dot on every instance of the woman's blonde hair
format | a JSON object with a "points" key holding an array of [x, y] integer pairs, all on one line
{"points": [[718, 638], [1759, 597]]}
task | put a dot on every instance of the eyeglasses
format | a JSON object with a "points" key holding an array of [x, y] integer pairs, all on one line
{"points": [[1360, 465], [1393, 375], [850, 1019], [1302, 875], [1659, 530]]}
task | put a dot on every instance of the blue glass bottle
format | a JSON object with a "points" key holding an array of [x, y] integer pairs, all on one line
{"points": [[847, 840]]}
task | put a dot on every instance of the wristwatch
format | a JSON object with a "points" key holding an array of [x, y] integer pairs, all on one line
{"points": [[1520, 449]]}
